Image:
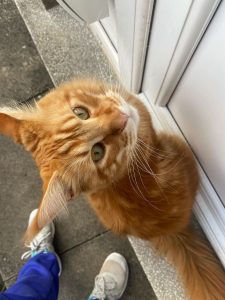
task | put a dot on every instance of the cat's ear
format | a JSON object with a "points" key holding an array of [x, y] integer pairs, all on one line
{"points": [[54, 202], [10, 126]]}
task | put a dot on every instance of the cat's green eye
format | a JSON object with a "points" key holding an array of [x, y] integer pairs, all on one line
{"points": [[97, 152], [81, 113]]}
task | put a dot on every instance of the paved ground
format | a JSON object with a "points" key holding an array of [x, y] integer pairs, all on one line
{"points": [[81, 240]]}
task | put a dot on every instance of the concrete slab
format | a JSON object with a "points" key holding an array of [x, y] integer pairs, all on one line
{"points": [[83, 263], [81, 225], [22, 72], [71, 51], [159, 272]]}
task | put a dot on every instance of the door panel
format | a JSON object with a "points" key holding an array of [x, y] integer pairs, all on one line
{"points": [[168, 20], [176, 32], [198, 104]]}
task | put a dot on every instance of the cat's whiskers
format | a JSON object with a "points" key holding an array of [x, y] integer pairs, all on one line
{"points": [[157, 150], [147, 168], [153, 150], [133, 179], [157, 175], [143, 166], [136, 187], [130, 164], [144, 162], [136, 163], [169, 170], [130, 176]]}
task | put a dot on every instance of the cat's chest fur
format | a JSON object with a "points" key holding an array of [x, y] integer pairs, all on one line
{"points": [[132, 217]]}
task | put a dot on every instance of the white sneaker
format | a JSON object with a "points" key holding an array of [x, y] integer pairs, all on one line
{"points": [[42, 242], [111, 281]]}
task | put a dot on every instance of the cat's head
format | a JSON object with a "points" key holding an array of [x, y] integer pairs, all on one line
{"points": [[81, 135]]}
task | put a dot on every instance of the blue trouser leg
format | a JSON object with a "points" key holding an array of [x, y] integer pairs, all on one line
{"points": [[37, 280]]}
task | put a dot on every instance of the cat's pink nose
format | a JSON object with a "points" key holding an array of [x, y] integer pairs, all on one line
{"points": [[122, 121], [118, 122]]}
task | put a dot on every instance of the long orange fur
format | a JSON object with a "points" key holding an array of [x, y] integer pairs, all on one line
{"points": [[147, 191]]}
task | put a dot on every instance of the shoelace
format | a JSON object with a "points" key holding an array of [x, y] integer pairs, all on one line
{"points": [[36, 245], [103, 288]]}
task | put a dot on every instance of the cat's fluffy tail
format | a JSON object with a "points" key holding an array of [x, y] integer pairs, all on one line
{"points": [[197, 266]]}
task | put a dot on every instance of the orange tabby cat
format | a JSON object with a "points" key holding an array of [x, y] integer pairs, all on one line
{"points": [[88, 137]]}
